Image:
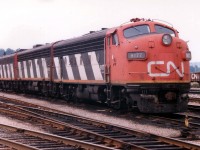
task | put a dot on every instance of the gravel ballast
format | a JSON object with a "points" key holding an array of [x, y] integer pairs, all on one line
{"points": [[167, 132]]}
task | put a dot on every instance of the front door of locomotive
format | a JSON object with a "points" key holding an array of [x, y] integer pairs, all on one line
{"points": [[112, 54]]}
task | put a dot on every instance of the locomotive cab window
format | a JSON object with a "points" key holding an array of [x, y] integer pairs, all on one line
{"points": [[162, 29], [115, 40], [136, 30]]}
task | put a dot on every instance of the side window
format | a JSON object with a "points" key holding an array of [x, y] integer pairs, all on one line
{"points": [[115, 40]]}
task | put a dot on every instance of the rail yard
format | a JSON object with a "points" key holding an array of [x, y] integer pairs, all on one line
{"points": [[42, 123], [99, 75], [76, 93]]}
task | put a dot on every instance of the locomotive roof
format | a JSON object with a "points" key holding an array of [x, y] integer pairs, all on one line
{"points": [[85, 37]]}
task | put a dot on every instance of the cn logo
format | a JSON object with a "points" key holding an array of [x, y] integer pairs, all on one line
{"points": [[169, 66], [194, 76]]}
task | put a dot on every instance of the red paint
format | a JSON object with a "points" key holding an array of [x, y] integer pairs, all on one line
{"points": [[123, 71], [16, 69]]}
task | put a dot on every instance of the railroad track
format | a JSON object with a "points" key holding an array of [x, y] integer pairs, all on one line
{"points": [[194, 91], [62, 129], [94, 131], [194, 108], [22, 139], [194, 99], [179, 120], [4, 147]]}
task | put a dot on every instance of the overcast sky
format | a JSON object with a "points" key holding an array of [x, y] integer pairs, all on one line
{"points": [[24, 23]]}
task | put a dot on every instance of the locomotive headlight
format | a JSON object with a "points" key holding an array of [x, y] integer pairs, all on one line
{"points": [[166, 39], [188, 55], [139, 55]]}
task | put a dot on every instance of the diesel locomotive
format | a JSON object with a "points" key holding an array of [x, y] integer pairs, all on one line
{"points": [[140, 64]]}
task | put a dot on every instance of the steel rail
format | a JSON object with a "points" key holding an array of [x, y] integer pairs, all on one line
{"points": [[178, 121], [172, 141], [49, 137], [194, 107], [194, 99], [16, 145], [54, 123], [194, 91], [122, 129]]}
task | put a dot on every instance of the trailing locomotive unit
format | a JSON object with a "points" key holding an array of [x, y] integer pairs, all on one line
{"points": [[140, 64], [195, 77]]}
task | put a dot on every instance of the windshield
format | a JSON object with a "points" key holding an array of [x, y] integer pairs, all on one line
{"points": [[162, 29], [136, 30]]}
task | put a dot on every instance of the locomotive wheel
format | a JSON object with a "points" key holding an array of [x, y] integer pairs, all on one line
{"points": [[67, 98], [120, 104], [74, 98], [116, 103], [69, 95], [102, 98], [124, 104]]}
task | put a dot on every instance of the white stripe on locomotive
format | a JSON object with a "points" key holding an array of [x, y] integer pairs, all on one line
{"points": [[95, 66], [31, 69], [68, 68], [57, 67], [9, 65], [44, 66], [38, 75], [8, 70], [25, 70], [81, 68], [4, 71], [11, 76], [12, 71], [20, 69], [3, 76]]}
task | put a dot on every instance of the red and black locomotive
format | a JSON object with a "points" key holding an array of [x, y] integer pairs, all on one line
{"points": [[140, 64]]}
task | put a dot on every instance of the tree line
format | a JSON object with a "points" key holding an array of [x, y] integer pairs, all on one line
{"points": [[194, 68], [6, 52]]}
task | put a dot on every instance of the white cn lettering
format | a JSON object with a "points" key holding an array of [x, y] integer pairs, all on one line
{"points": [[194, 76], [169, 63]]}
